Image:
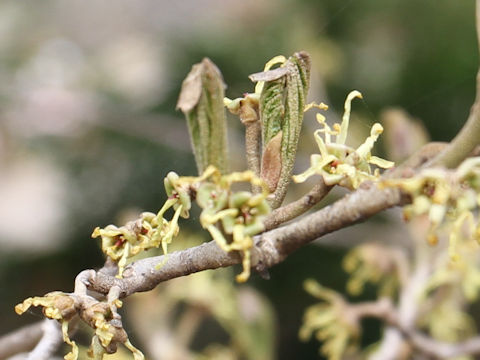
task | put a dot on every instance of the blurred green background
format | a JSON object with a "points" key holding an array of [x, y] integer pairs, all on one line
{"points": [[88, 127]]}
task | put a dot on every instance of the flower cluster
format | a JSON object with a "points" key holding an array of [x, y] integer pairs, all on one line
{"points": [[150, 230], [101, 316], [459, 272], [449, 197], [339, 163], [330, 321], [372, 263], [108, 331], [58, 306], [447, 321], [239, 214]]}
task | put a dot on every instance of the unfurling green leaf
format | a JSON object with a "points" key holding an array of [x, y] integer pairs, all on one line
{"points": [[282, 103], [201, 100]]}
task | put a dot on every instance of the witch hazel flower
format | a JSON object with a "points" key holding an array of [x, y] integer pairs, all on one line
{"points": [[339, 163]]}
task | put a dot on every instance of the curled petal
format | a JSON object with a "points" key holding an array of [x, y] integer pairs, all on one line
{"points": [[56, 305], [342, 137], [364, 150], [384, 164]]}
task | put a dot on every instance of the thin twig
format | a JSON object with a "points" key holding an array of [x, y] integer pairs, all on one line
{"points": [[187, 325], [253, 138], [383, 309], [298, 207], [21, 340], [274, 246], [407, 313], [423, 343], [442, 350], [250, 117], [420, 158], [380, 309], [49, 343]]}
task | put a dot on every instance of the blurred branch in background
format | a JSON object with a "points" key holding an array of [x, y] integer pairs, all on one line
{"points": [[21, 340]]}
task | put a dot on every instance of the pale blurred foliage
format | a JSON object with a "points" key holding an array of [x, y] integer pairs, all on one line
{"points": [[32, 193], [134, 68]]}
